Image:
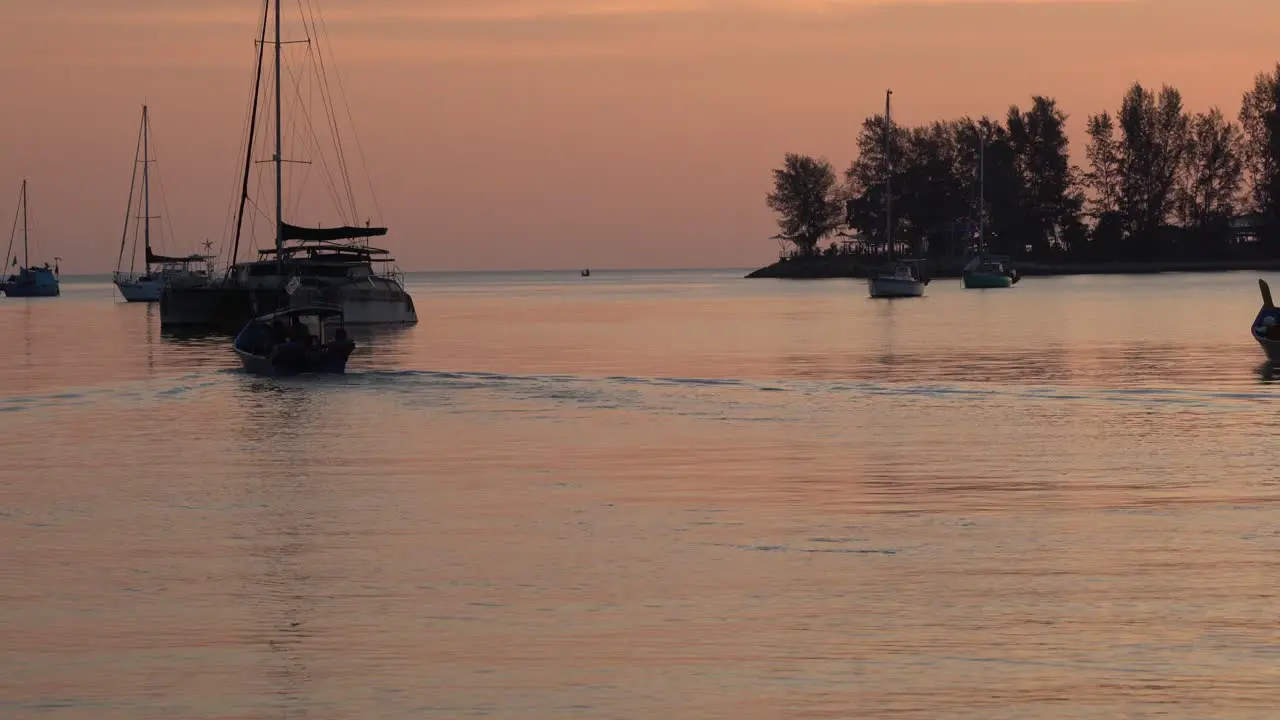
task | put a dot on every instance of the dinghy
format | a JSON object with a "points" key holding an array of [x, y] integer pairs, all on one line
{"points": [[1266, 326]]}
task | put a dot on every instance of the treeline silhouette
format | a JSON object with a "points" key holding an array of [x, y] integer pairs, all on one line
{"points": [[1161, 183]]}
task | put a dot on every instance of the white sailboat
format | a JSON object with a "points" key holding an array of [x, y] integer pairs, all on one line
{"points": [[985, 271], [159, 270], [901, 278]]}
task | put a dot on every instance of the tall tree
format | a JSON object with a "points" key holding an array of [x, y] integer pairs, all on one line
{"points": [[934, 193], [1051, 200], [805, 198], [1155, 141], [1213, 173], [1106, 166], [1134, 177], [865, 178], [987, 154], [1260, 118]]}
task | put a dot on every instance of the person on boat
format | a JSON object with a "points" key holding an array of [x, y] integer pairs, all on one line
{"points": [[339, 349], [287, 355], [1270, 328], [341, 342]]}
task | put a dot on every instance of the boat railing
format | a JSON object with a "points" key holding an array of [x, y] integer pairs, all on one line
{"points": [[396, 274], [120, 276]]}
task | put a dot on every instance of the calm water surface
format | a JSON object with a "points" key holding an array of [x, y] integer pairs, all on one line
{"points": [[651, 495]]}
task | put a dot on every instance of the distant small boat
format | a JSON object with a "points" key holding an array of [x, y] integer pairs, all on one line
{"points": [[985, 271], [30, 281], [586, 273], [295, 341], [902, 278], [988, 271], [1266, 326]]}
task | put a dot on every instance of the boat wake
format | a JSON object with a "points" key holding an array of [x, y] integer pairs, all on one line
{"points": [[461, 390]]}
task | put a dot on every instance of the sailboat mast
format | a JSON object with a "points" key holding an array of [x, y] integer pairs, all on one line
{"points": [[146, 189], [279, 158], [982, 192], [888, 174], [253, 127], [26, 253]]}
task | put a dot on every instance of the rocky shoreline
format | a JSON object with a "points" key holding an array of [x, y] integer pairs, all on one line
{"points": [[849, 266]]}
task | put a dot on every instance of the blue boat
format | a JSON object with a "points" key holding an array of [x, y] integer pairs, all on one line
{"points": [[295, 341], [30, 281]]}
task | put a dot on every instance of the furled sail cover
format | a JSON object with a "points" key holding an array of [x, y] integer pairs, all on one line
{"points": [[293, 232], [153, 258]]}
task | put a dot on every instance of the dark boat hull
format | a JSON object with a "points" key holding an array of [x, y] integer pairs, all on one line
{"points": [[229, 308], [15, 290], [213, 307], [1267, 336], [266, 367], [32, 282]]}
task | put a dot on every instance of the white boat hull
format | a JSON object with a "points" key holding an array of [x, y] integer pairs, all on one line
{"points": [[893, 287], [374, 301], [140, 290], [380, 312]]}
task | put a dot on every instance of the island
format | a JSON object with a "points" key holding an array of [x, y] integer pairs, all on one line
{"points": [[1162, 189]]}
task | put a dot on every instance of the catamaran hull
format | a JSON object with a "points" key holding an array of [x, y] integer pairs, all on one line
{"points": [[894, 288], [984, 281], [229, 309], [209, 307], [380, 312], [141, 291]]}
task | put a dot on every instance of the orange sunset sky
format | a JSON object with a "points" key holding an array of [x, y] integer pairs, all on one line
{"points": [[518, 134]]}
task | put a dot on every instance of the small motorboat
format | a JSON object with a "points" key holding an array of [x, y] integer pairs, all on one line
{"points": [[1266, 326], [295, 341], [586, 272]]}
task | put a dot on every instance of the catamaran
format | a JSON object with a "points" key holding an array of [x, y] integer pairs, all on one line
{"points": [[29, 281], [896, 279], [160, 270], [307, 265]]}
